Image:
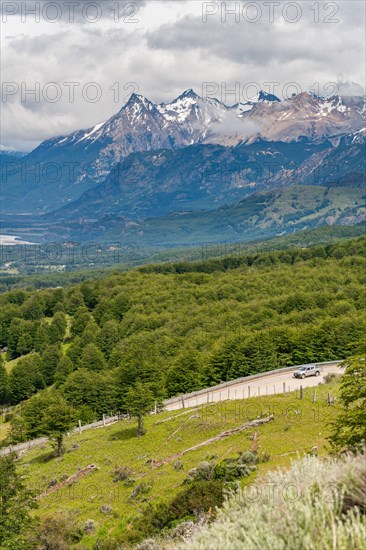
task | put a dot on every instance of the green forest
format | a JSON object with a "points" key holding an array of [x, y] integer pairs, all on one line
{"points": [[124, 341], [178, 327]]}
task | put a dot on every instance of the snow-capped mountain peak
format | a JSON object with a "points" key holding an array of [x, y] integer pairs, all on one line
{"points": [[188, 93], [138, 102], [260, 97], [142, 125]]}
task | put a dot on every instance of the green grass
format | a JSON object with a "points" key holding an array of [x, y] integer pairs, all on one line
{"points": [[298, 426], [4, 429]]}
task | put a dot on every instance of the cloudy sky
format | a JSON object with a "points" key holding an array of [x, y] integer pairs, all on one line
{"points": [[84, 58]]}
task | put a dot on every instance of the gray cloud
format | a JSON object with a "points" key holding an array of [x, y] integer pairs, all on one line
{"points": [[170, 49]]}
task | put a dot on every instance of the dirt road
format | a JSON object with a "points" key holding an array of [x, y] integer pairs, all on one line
{"points": [[269, 384]]}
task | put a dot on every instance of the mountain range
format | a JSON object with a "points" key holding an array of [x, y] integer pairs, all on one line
{"points": [[193, 154]]}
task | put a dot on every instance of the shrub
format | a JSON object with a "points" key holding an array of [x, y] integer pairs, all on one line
{"points": [[89, 526], [326, 513], [141, 489], [203, 472], [178, 465], [227, 470], [121, 473], [56, 532], [106, 509], [189, 504]]}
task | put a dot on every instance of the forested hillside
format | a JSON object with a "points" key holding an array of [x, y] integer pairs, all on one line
{"points": [[182, 326]]}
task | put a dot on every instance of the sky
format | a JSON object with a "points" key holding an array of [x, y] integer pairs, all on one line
{"points": [[71, 64]]}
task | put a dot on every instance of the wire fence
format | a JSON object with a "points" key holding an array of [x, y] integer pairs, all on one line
{"points": [[225, 390], [220, 392]]}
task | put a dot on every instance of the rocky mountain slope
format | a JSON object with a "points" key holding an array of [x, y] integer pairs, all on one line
{"points": [[61, 169], [265, 214]]}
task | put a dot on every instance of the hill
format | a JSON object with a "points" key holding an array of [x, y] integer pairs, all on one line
{"points": [[260, 216], [325, 509], [122, 511], [77, 353], [215, 319]]}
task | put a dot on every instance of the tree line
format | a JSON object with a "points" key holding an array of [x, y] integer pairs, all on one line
{"points": [[176, 328]]}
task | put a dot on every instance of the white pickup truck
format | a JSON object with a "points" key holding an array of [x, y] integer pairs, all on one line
{"points": [[308, 370]]}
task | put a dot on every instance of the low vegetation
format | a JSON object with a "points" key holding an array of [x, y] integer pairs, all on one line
{"points": [[315, 504], [142, 499]]}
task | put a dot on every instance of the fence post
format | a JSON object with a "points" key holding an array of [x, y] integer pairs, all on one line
{"points": [[259, 391], [301, 392], [183, 405], [274, 389], [248, 391], [228, 394], [314, 395], [79, 423], [284, 388], [103, 420], [156, 407]]}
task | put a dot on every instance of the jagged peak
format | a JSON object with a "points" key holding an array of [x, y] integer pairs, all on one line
{"points": [[265, 96], [189, 93], [140, 101]]}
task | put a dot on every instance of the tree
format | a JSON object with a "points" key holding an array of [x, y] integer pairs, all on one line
{"points": [[92, 389], [58, 419], [109, 337], [41, 338], [16, 502], [79, 321], [34, 307], [50, 358], [18, 431], [74, 300], [25, 378], [139, 402], [20, 337], [349, 430], [90, 334], [25, 344], [63, 369], [92, 358], [90, 293], [3, 383], [57, 328], [8, 312], [184, 376]]}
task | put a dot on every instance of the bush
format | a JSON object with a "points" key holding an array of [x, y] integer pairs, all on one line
{"points": [[178, 465], [141, 489], [89, 526], [227, 470], [56, 532], [189, 504], [106, 509], [326, 513], [203, 472], [121, 473]]}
